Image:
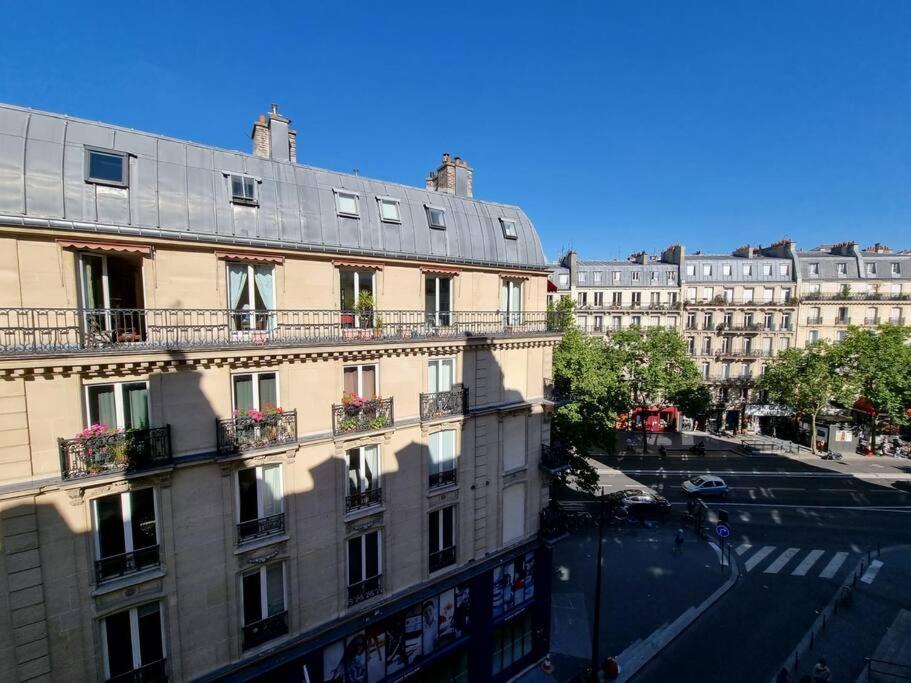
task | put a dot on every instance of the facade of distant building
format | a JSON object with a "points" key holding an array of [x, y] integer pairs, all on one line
{"points": [[264, 420]]}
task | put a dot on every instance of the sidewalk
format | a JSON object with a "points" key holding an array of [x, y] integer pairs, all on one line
{"points": [[649, 595]]}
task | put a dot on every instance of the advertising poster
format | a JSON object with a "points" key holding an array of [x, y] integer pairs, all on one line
{"points": [[447, 613], [414, 633], [430, 625], [396, 659], [462, 608], [375, 641]]}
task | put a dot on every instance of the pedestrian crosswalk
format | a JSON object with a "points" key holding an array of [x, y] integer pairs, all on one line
{"points": [[797, 562]]}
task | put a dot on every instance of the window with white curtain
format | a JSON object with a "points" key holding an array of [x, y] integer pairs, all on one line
{"points": [[263, 592], [123, 405], [440, 374], [438, 291], [511, 301], [251, 295], [259, 499], [441, 447]]}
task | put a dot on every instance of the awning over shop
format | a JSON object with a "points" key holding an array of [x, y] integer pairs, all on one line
{"points": [[767, 410]]}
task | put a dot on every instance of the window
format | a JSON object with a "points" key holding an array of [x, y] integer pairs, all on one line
{"points": [[842, 269], [442, 538], [243, 189], [785, 343], [654, 277], [346, 204], [671, 278], [726, 270], [582, 278], [265, 614], [564, 279], [259, 502], [813, 269], [707, 321], [616, 322], [748, 294], [768, 294], [842, 316], [436, 218], [636, 298], [896, 268], [635, 276], [871, 269], [705, 370], [364, 489], [746, 370], [389, 210], [786, 294], [840, 335], [440, 373], [691, 346], [725, 371], [107, 167], [438, 292], [728, 320], [356, 298], [768, 321], [364, 567], [126, 534], [599, 323], [728, 294], [655, 298], [617, 298], [767, 345], [767, 269], [599, 299], [786, 321], [895, 290], [251, 294], [360, 380], [509, 229], [582, 298], [616, 275], [691, 270], [110, 287], [707, 293], [783, 269], [133, 640], [691, 293], [596, 277], [255, 391], [511, 642], [748, 269], [513, 513], [441, 446], [511, 301], [706, 270], [691, 320], [812, 336], [637, 320], [124, 405]]}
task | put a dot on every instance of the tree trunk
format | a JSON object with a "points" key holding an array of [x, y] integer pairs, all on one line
{"points": [[813, 433], [644, 438], [873, 435]]}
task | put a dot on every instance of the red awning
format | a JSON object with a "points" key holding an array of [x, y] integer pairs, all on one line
{"points": [[864, 405], [250, 256], [551, 287], [123, 247], [440, 271], [369, 265]]}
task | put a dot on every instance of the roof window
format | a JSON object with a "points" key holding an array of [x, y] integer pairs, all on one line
{"points": [[243, 189], [106, 167], [346, 204], [509, 229], [436, 218], [389, 210]]}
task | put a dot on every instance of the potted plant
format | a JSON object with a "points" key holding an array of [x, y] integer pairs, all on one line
{"points": [[365, 309]]}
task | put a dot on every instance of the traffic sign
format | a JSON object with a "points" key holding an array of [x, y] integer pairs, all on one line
{"points": [[723, 530]]}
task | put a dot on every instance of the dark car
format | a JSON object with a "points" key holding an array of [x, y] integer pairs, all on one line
{"points": [[832, 455], [637, 504]]}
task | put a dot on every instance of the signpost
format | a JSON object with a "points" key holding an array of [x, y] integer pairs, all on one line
{"points": [[723, 531]]}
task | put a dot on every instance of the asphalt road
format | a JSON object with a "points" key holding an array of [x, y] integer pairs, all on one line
{"points": [[793, 520]]}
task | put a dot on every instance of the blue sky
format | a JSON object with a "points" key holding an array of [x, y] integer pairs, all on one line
{"points": [[617, 126]]}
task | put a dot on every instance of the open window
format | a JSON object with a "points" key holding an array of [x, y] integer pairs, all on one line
{"points": [[265, 613], [133, 644], [365, 567], [356, 298], [251, 297], [259, 502], [438, 300], [441, 446], [442, 540], [126, 534], [511, 301], [123, 405], [364, 489], [112, 297]]}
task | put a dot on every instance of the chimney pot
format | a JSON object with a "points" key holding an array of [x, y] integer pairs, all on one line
{"points": [[273, 137], [453, 176]]}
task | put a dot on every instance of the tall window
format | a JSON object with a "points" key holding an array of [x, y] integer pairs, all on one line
{"points": [[812, 336], [636, 298], [360, 380], [747, 269], [511, 301], [690, 293], [251, 294], [599, 299], [111, 291], [896, 268], [119, 406], [706, 346], [617, 298], [707, 321], [596, 277], [133, 640], [442, 458], [513, 513], [442, 538], [364, 567], [265, 614], [255, 391], [691, 346], [729, 294], [440, 373], [813, 269], [511, 642], [126, 534], [356, 294], [707, 270], [748, 294], [259, 502], [705, 370], [438, 300], [363, 477], [582, 298], [842, 269], [707, 293]]}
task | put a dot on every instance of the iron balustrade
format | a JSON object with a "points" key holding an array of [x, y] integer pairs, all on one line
{"points": [[364, 590], [26, 331], [722, 301], [442, 558], [363, 499], [871, 321], [264, 630], [126, 450], [444, 478], [814, 320], [115, 566], [855, 296], [444, 403], [366, 417], [843, 320], [554, 458], [244, 433], [260, 528], [154, 672]]}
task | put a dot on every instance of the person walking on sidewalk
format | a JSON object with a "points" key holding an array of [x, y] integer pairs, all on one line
{"points": [[821, 672]]}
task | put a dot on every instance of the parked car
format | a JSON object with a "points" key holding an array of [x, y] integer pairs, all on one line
{"points": [[705, 485], [637, 504], [832, 455]]}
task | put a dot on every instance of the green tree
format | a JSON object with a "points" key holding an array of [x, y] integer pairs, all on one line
{"points": [[878, 365], [807, 381], [654, 367], [560, 315]]}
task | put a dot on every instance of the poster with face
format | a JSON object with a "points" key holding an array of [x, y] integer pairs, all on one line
{"points": [[430, 624], [508, 581], [395, 644], [497, 591], [414, 633], [462, 605], [447, 612], [333, 665]]}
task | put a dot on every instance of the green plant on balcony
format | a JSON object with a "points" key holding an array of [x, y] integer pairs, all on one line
{"points": [[348, 424], [378, 422], [365, 307], [845, 291]]}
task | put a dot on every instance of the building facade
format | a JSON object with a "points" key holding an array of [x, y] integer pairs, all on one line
{"points": [[261, 419], [736, 311]]}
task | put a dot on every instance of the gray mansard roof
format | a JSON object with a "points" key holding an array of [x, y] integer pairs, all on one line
{"points": [[718, 262], [854, 270], [180, 190]]}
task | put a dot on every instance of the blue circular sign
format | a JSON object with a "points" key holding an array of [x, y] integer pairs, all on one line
{"points": [[722, 530]]}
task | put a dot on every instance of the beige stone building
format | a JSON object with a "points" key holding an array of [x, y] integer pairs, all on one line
{"points": [[262, 419]]}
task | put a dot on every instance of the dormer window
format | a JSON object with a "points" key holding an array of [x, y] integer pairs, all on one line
{"points": [[814, 269], [346, 204], [509, 229], [243, 189], [842, 269], [726, 270], [436, 218], [748, 270], [106, 167], [706, 270], [767, 269], [871, 269], [389, 210], [896, 268]]}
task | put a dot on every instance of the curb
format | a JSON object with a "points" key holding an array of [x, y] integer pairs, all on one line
{"points": [[640, 653]]}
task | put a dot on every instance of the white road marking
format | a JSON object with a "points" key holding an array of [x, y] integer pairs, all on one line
{"points": [[872, 571], [781, 561], [833, 566], [807, 563], [741, 549], [758, 557]]}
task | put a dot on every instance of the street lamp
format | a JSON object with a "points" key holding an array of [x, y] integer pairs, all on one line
{"points": [[599, 566]]}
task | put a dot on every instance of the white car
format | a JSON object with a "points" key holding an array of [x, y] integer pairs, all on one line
{"points": [[705, 485]]}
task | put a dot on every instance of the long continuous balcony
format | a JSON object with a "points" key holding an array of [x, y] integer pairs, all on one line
{"points": [[97, 451], [640, 306], [256, 430], [25, 331], [444, 403], [362, 416], [722, 301], [855, 296]]}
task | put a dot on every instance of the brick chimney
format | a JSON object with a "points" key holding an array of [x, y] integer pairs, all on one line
{"points": [[745, 251], [640, 257], [273, 137], [879, 248], [454, 176]]}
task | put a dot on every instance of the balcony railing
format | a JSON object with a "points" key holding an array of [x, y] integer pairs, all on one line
{"points": [[554, 458], [872, 321], [115, 566], [367, 417], [363, 499], [26, 331], [556, 391], [855, 296], [443, 478], [722, 301], [752, 327], [442, 558], [155, 672], [745, 353], [264, 430], [260, 528], [444, 403], [896, 321], [843, 320], [731, 380], [814, 320], [364, 590], [263, 631], [127, 450]]}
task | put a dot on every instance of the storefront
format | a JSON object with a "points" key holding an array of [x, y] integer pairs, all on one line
{"points": [[770, 419], [486, 623]]}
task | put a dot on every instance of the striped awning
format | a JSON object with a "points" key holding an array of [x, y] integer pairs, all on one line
{"points": [[258, 257], [367, 265], [440, 271], [122, 247]]}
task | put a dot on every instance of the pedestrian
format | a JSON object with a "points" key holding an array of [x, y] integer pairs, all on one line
{"points": [[783, 676], [821, 672]]}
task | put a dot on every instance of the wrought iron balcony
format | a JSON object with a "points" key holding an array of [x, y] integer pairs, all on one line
{"points": [[256, 430], [723, 301], [155, 672], [554, 525], [263, 631], [444, 478], [368, 416], [843, 320], [29, 331], [260, 528], [814, 320], [442, 558], [363, 499], [855, 296], [364, 590], [127, 450], [444, 403], [872, 321], [554, 458], [115, 566]]}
